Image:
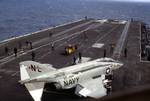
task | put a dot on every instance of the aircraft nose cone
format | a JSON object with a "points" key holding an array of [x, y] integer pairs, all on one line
{"points": [[119, 64]]}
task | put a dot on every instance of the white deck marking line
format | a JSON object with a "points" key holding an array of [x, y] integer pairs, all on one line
{"points": [[3, 42], [86, 30], [11, 56], [7, 71], [97, 45], [77, 33], [60, 33], [56, 48], [102, 37], [14, 74], [83, 59], [102, 21], [75, 27], [44, 46], [72, 38], [54, 92], [81, 42], [120, 43], [109, 32]]}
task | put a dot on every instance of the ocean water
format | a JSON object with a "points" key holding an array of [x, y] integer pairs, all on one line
{"points": [[18, 17]]}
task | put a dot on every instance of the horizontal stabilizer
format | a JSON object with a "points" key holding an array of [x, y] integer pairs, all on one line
{"points": [[35, 90]]}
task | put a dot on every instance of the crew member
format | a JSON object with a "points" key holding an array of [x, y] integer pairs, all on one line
{"points": [[74, 60], [27, 43], [50, 34], [148, 55], [125, 52], [30, 45], [33, 55], [15, 51], [109, 89], [80, 56], [104, 52], [52, 47], [6, 50], [112, 48]]}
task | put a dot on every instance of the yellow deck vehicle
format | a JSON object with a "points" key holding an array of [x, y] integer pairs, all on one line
{"points": [[70, 49]]}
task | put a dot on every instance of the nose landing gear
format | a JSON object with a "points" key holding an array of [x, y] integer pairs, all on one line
{"points": [[108, 81]]}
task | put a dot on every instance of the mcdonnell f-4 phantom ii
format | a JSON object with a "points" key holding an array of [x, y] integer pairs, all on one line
{"points": [[88, 78]]}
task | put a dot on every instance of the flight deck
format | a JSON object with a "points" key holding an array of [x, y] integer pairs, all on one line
{"points": [[117, 39]]}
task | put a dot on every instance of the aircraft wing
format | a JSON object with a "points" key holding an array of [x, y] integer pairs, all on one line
{"points": [[92, 88]]}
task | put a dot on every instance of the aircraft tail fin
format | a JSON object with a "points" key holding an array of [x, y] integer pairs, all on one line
{"points": [[31, 69]]}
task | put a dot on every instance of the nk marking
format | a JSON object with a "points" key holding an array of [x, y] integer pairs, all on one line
{"points": [[71, 81], [35, 68]]}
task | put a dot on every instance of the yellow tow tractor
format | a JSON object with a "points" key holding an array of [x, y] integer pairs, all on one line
{"points": [[70, 49]]}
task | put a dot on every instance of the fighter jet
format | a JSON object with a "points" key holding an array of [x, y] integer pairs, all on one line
{"points": [[88, 78]]}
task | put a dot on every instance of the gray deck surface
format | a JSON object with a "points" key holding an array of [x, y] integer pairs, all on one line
{"points": [[84, 33]]}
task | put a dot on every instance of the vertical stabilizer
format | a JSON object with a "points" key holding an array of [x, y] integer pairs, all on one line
{"points": [[30, 70], [23, 72]]}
